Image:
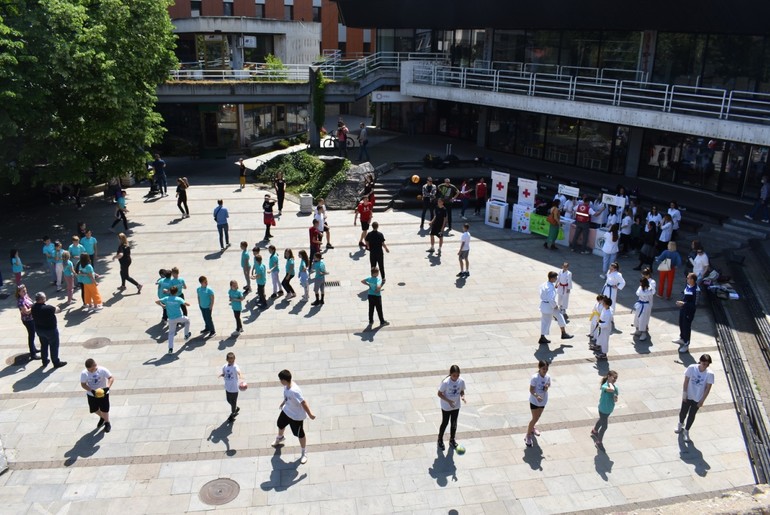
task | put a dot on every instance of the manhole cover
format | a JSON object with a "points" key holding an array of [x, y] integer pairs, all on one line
{"points": [[219, 491], [17, 359], [96, 343]]}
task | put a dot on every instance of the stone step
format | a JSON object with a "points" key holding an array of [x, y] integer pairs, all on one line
{"points": [[754, 226], [740, 231]]}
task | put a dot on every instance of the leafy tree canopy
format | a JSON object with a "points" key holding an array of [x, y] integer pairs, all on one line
{"points": [[81, 86]]}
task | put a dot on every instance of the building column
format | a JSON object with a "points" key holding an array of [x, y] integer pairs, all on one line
{"points": [[634, 151], [646, 60], [481, 133]]}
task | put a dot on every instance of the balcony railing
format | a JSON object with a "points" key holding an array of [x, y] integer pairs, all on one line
{"points": [[332, 65], [593, 85]]}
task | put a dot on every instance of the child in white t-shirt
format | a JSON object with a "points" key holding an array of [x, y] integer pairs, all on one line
{"points": [[232, 375], [451, 392]]}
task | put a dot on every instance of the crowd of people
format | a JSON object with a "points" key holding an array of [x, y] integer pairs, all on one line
{"points": [[625, 234]]}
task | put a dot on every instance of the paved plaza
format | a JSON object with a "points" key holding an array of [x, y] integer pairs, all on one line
{"points": [[372, 447]]}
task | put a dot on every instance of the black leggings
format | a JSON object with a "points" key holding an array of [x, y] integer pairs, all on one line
{"points": [[446, 416], [232, 400], [286, 286], [689, 409], [30, 325], [120, 215], [375, 302], [180, 203], [238, 324], [281, 196], [125, 277]]}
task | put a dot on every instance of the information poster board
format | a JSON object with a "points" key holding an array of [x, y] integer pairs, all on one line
{"points": [[498, 186], [520, 218], [527, 192]]}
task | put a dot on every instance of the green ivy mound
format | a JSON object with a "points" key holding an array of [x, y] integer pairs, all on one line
{"points": [[306, 173]]}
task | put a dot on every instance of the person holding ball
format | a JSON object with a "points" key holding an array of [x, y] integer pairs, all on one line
{"points": [[97, 381], [451, 392], [538, 398]]}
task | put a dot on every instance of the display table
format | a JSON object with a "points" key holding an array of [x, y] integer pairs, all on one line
{"points": [[539, 225]]}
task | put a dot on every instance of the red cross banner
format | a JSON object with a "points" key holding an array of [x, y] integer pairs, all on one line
{"points": [[498, 186], [527, 192]]}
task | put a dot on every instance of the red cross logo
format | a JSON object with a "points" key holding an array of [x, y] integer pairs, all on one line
{"points": [[500, 186], [526, 193]]}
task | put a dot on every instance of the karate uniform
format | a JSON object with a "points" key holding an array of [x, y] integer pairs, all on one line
{"points": [[563, 287], [643, 309], [613, 283], [549, 309]]}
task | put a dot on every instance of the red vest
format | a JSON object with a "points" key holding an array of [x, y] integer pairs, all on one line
{"points": [[582, 213]]}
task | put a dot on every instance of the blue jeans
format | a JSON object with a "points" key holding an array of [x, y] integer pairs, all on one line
{"points": [[223, 233], [362, 150], [761, 207], [162, 183], [607, 260], [207, 320]]}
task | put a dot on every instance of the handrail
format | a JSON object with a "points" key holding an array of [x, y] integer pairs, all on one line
{"points": [[697, 101]]}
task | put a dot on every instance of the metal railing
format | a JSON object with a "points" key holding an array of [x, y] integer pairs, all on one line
{"points": [[590, 85], [332, 65]]}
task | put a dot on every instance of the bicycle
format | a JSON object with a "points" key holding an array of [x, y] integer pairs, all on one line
{"points": [[333, 141]]}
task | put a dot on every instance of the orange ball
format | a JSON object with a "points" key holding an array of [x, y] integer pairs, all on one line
{"points": [[415, 178]]}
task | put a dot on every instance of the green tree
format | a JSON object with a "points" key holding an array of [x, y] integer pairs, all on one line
{"points": [[88, 102]]}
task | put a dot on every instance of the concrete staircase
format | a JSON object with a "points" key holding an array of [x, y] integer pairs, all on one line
{"points": [[733, 234], [386, 190]]}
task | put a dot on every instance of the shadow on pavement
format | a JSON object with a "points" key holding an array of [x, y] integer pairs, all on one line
{"points": [[284, 474], [85, 447], [443, 467]]}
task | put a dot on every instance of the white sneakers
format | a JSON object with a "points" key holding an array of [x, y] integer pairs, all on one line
{"points": [[643, 336], [685, 435], [678, 428], [678, 340]]}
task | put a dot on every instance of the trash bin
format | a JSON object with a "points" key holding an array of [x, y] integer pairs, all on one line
{"points": [[305, 203]]}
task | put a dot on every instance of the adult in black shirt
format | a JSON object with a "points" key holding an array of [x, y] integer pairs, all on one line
{"points": [[437, 225], [46, 329], [181, 195], [123, 255], [375, 243], [280, 190]]}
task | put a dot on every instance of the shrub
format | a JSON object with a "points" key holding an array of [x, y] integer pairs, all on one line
{"points": [[306, 173]]}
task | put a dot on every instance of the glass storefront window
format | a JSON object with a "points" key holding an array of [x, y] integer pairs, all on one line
{"points": [[561, 139], [530, 135], [580, 48], [508, 46], [542, 51], [678, 58], [620, 50], [502, 130], [595, 145], [733, 62]]}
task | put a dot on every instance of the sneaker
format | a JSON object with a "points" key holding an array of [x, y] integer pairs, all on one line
{"points": [[684, 348], [461, 274], [315, 303], [187, 336], [685, 435], [599, 445], [59, 364], [535, 431], [139, 289], [528, 441], [566, 336], [303, 459], [274, 296], [601, 357], [594, 432], [543, 341], [678, 428], [678, 340], [170, 351], [204, 331], [441, 445], [329, 246], [240, 330], [107, 427], [643, 336], [747, 217], [467, 274], [430, 250], [100, 423], [453, 444], [279, 440], [212, 333], [384, 323]]}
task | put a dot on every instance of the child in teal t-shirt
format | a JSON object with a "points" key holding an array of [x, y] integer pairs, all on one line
{"points": [[246, 266], [16, 266], [274, 269], [319, 267], [607, 400], [236, 302], [260, 274]]}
